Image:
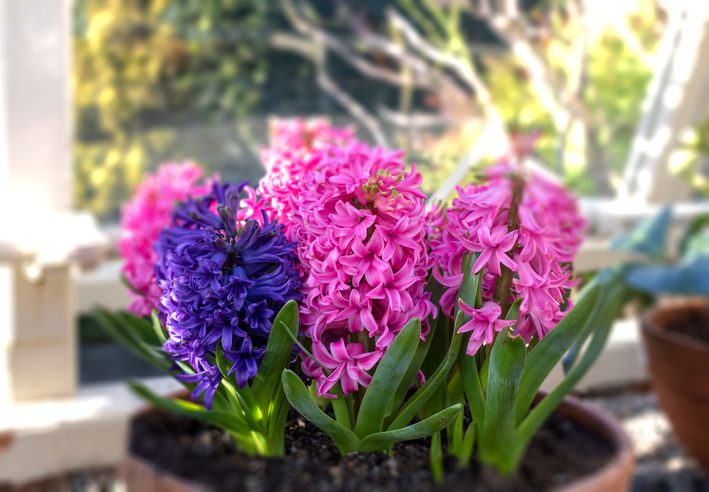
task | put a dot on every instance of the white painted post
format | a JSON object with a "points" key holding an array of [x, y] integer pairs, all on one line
{"points": [[37, 326], [677, 97]]}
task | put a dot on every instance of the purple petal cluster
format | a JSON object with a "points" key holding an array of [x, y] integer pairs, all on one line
{"points": [[223, 281]]}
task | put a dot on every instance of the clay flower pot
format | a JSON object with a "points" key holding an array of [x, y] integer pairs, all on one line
{"points": [[614, 476], [679, 369]]}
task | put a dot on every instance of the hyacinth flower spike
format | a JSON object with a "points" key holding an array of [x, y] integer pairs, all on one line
{"points": [[226, 282], [502, 254], [366, 315]]}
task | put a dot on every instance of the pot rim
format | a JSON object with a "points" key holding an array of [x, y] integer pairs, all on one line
{"points": [[592, 416], [651, 327]]}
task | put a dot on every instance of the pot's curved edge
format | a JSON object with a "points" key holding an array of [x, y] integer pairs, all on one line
{"points": [[139, 475], [678, 365], [616, 475], [652, 327]]}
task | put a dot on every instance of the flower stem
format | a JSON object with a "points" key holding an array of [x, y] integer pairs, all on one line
{"points": [[504, 283]]}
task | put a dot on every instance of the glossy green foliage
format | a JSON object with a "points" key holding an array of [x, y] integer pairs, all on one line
{"points": [[366, 428], [254, 415]]}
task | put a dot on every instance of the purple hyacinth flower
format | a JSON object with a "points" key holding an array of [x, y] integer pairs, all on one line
{"points": [[223, 282]]}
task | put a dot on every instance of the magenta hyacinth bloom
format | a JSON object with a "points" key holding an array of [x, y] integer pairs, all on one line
{"points": [[147, 213], [537, 249], [297, 147], [360, 225], [347, 363], [483, 324]]}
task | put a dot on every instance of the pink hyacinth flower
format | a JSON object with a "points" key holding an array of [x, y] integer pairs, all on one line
{"points": [[538, 248], [484, 323], [495, 243], [348, 364], [360, 223], [147, 213]]}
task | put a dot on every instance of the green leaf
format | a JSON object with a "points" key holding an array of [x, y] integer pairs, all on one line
{"points": [[610, 309], [378, 398], [128, 332], [689, 277], [549, 351], [222, 362], [440, 344], [696, 227], [158, 328], [498, 429], [648, 238], [425, 428], [422, 352], [465, 450], [299, 398], [267, 382], [341, 408], [227, 421], [436, 458], [513, 312], [470, 286], [471, 379], [418, 399]]}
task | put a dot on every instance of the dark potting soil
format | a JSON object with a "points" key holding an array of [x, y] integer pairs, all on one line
{"points": [[693, 324], [561, 452]]}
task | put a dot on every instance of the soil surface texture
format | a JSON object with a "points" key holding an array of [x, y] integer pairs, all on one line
{"points": [[694, 324], [561, 452]]}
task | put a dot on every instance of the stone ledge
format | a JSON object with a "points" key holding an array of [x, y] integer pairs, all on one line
{"points": [[53, 436]]}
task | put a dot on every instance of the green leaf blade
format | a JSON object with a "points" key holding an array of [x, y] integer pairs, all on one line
{"points": [[422, 395], [299, 398], [379, 396], [551, 349], [277, 356], [425, 428], [507, 361]]}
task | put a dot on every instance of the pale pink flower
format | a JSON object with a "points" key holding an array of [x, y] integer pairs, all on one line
{"points": [[143, 217], [538, 252], [483, 325]]}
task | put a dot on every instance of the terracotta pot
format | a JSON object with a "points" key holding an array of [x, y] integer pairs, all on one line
{"points": [[679, 369], [6, 439], [615, 476]]}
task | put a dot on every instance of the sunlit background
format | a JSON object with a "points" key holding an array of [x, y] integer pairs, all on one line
{"points": [[160, 80]]}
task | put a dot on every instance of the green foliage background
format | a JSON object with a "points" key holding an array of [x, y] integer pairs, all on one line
{"points": [[158, 80]]}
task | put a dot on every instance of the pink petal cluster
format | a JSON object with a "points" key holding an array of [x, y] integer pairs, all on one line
{"points": [[539, 250], [360, 225], [297, 147], [483, 324], [143, 217]]}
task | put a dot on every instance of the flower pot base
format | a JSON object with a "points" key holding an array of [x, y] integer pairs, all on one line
{"points": [[576, 447], [678, 358]]}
